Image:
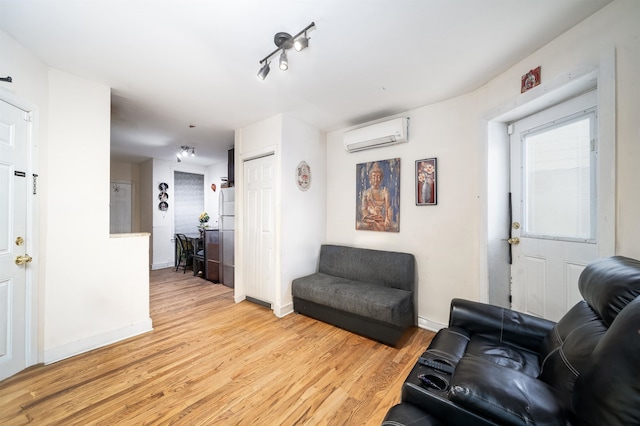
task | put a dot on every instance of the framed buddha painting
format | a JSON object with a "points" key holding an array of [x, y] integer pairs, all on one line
{"points": [[378, 196]]}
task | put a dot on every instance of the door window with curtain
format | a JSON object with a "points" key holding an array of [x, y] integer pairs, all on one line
{"points": [[189, 202]]}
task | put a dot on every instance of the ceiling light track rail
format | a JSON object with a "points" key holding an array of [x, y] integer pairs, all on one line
{"points": [[285, 41]]}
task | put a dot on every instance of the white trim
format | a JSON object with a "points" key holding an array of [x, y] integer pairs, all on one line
{"points": [[94, 342], [427, 324], [163, 265], [283, 310], [606, 168]]}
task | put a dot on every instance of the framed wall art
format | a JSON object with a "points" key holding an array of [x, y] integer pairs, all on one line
{"points": [[378, 196], [426, 182]]}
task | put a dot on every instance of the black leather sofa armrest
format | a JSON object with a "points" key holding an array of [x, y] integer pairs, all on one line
{"points": [[503, 324]]}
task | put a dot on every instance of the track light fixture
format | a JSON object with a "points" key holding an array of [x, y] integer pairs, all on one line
{"points": [[284, 42], [185, 151]]}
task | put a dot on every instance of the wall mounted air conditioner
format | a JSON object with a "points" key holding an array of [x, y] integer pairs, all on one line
{"points": [[377, 135]]}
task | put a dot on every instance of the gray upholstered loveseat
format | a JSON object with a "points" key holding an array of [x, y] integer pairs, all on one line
{"points": [[369, 292]]}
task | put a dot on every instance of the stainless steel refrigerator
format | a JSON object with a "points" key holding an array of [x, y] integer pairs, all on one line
{"points": [[226, 226]]}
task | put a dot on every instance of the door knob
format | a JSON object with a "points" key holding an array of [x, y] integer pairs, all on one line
{"points": [[21, 260], [514, 241]]}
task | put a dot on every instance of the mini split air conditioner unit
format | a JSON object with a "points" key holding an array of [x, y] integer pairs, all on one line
{"points": [[377, 135]]}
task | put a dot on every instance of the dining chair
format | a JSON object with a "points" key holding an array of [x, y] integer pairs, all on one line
{"points": [[185, 252]]}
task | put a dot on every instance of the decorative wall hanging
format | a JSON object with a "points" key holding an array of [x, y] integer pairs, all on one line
{"points": [[303, 176], [426, 182], [213, 187], [530, 80], [378, 196], [163, 196]]}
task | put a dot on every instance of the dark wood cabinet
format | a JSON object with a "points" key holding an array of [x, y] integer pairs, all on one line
{"points": [[212, 255]]}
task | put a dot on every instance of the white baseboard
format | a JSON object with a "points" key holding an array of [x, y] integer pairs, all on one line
{"points": [[94, 342], [162, 265], [430, 325], [283, 310]]}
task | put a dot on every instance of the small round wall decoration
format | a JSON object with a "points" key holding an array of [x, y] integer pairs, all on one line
{"points": [[303, 176]]}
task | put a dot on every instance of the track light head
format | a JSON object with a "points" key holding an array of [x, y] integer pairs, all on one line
{"points": [[262, 74], [301, 43], [284, 62]]}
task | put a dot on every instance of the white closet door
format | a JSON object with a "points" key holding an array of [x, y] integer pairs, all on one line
{"points": [[259, 226]]}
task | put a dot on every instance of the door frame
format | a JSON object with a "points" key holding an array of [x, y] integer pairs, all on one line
{"points": [[34, 337], [494, 265]]}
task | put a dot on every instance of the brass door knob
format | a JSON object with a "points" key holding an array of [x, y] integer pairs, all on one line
{"points": [[514, 241], [21, 260]]}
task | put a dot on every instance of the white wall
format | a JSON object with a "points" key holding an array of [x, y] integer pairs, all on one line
{"points": [[303, 212], [449, 240], [84, 306], [441, 237], [85, 300], [300, 215]]}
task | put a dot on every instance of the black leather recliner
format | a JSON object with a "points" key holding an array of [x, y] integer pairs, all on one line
{"points": [[501, 367]]}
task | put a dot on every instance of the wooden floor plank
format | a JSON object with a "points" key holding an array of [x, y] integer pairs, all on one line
{"points": [[211, 361]]}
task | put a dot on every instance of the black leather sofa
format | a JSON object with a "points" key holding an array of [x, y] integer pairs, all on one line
{"points": [[501, 367]]}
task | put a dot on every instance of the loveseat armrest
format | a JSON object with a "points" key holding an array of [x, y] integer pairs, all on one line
{"points": [[505, 325]]}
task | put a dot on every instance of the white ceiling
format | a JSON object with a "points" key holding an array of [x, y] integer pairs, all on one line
{"points": [[176, 63]]}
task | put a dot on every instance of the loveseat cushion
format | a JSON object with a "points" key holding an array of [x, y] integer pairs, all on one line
{"points": [[505, 355], [386, 304], [387, 268], [503, 394]]}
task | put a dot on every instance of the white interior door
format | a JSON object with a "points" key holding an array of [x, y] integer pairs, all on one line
{"points": [[259, 228], [13, 239], [553, 186], [119, 208]]}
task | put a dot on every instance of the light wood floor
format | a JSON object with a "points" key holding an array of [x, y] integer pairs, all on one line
{"points": [[210, 361]]}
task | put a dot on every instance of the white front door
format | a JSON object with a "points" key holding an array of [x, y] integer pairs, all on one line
{"points": [[13, 239], [259, 225], [553, 186]]}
